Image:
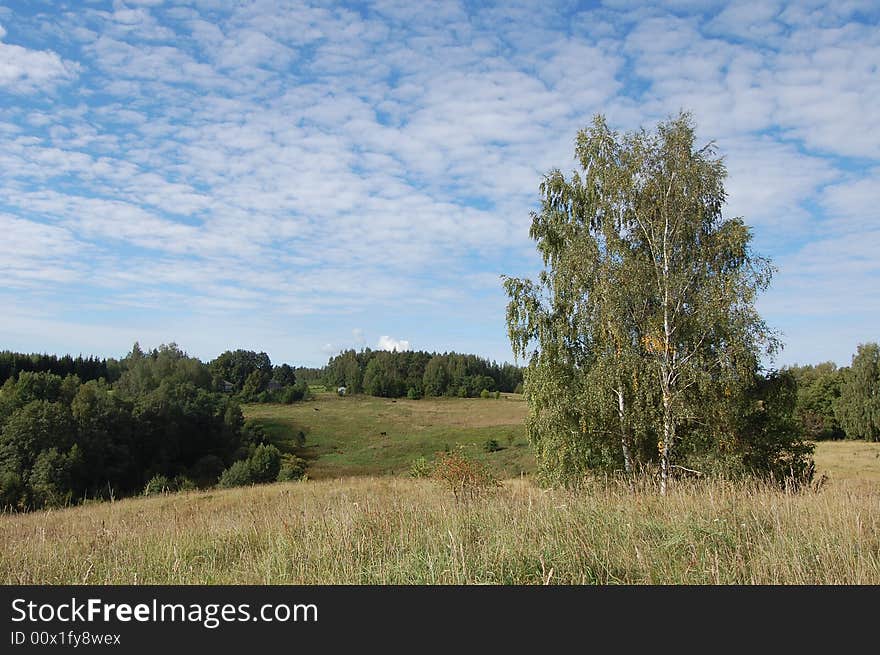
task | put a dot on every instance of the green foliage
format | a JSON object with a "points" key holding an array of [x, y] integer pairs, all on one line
{"points": [[413, 394], [183, 483], [55, 476], [144, 373], [858, 408], [64, 440], [253, 433], [491, 446], [384, 376], [284, 375], [642, 326], [292, 468], [757, 434], [158, 484], [237, 475], [818, 391], [37, 427], [421, 468], [238, 365], [484, 394], [291, 394], [393, 374], [255, 384], [264, 463], [13, 364]]}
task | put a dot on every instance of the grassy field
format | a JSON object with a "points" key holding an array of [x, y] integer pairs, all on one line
{"points": [[362, 435], [351, 524], [393, 530]]}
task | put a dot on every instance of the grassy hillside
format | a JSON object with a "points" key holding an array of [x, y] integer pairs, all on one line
{"points": [[362, 435], [395, 530], [375, 528], [344, 436]]}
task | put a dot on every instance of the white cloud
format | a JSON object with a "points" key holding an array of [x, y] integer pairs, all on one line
{"points": [[389, 343], [29, 71]]}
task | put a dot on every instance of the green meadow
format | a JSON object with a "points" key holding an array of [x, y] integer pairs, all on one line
{"points": [[364, 435]]}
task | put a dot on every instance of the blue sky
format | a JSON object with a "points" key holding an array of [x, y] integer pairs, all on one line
{"points": [[302, 178]]}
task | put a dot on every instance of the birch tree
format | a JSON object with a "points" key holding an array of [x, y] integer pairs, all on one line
{"points": [[644, 311]]}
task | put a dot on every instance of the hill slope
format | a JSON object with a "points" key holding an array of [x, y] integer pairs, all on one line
{"points": [[363, 435]]}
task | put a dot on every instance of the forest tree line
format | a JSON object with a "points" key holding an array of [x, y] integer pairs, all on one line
{"points": [[840, 402], [164, 420], [414, 374]]}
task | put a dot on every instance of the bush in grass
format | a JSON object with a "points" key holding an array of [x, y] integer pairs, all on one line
{"points": [[292, 468], [413, 394], [484, 393], [237, 475], [497, 395], [183, 483], [265, 463], [465, 477], [491, 446], [158, 484], [421, 468]]}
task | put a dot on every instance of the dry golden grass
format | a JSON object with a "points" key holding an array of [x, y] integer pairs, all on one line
{"points": [[377, 530], [394, 530], [851, 461]]}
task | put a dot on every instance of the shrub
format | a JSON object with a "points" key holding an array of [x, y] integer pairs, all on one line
{"points": [[158, 484], [518, 388], [292, 468], [421, 468], [465, 477], [413, 394], [484, 393], [300, 439], [237, 475], [265, 463], [253, 432], [497, 395], [183, 483], [491, 446]]}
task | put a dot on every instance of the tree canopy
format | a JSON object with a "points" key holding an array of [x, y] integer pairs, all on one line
{"points": [[641, 333], [858, 407]]}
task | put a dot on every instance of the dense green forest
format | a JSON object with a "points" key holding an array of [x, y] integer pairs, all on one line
{"points": [[418, 373], [163, 420]]}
